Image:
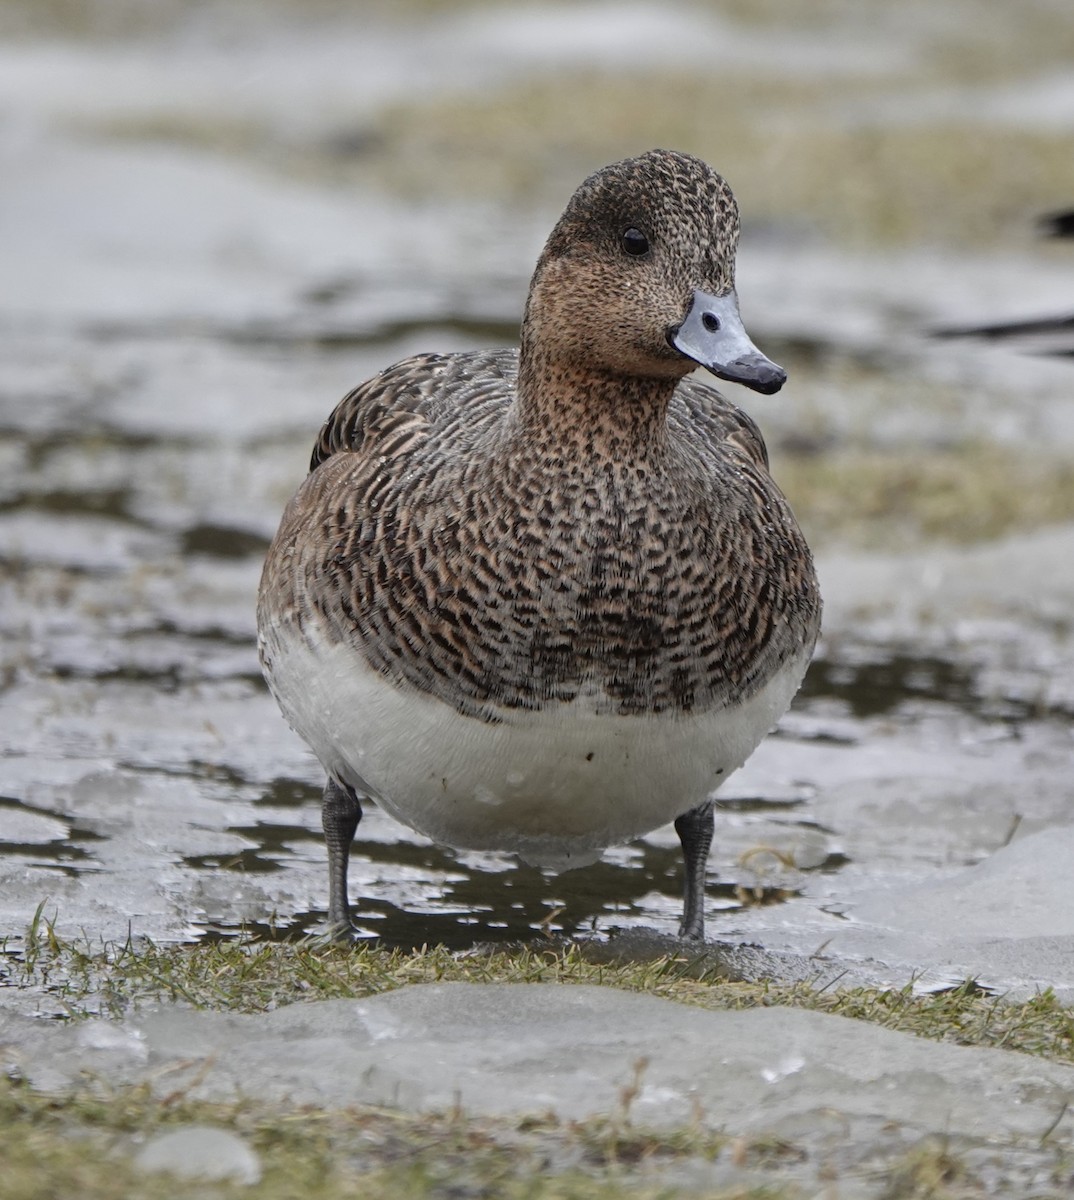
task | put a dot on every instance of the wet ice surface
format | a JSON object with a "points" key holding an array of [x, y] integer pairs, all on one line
{"points": [[176, 326], [835, 1099]]}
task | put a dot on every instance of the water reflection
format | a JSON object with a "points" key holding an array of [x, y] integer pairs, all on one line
{"points": [[443, 900]]}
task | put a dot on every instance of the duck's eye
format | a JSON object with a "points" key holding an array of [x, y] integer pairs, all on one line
{"points": [[634, 242]]}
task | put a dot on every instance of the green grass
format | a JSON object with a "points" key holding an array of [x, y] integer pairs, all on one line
{"points": [[83, 1144], [254, 976]]}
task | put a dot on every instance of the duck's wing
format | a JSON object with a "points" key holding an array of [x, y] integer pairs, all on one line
{"points": [[390, 412], [713, 419]]}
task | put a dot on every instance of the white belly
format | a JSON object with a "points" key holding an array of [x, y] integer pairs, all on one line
{"points": [[555, 786]]}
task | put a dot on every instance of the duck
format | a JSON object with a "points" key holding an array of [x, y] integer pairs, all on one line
{"points": [[546, 599]]}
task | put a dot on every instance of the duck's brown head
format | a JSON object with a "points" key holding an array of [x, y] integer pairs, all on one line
{"points": [[638, 277]]}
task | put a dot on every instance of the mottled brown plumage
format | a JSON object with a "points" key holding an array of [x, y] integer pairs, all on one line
{"points": [[572, 538]]}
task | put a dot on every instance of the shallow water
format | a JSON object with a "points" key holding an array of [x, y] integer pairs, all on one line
{"points": [[175, 326]]}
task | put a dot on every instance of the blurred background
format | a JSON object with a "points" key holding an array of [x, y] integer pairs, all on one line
{"points": [[216, 218]]}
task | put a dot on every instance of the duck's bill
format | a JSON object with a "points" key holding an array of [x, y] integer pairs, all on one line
{"points": [[712, 334]]}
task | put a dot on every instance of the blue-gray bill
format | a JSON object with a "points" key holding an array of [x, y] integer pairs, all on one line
{"points": [[712, 334]]}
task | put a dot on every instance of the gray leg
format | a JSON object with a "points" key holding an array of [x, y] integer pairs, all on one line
{"points": [[341, 811], [695, 832]]}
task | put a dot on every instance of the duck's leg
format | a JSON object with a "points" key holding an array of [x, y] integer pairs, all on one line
{"points": [[695, 832], [341, 811]]}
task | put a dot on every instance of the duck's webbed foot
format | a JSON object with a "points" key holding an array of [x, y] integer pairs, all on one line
{"points": [[341, 810], [695, 830]]}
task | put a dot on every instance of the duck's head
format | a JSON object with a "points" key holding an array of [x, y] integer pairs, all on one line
{"points": [[638, 276]]}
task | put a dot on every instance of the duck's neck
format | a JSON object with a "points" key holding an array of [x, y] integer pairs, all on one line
{"points": [[590, 412]]}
